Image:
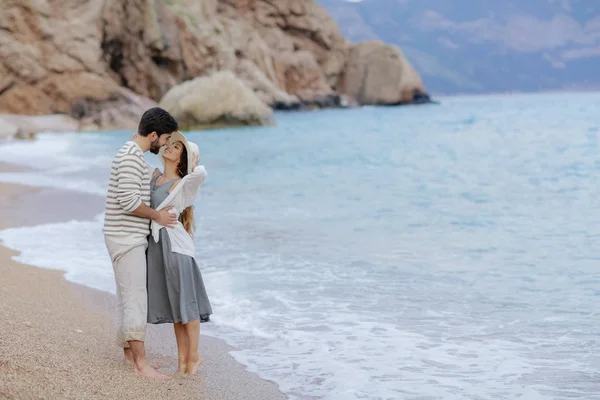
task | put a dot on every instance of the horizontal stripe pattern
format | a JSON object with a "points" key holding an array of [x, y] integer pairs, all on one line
{"points": [[128, 188]]}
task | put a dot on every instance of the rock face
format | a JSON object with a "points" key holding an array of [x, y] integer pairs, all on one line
{"points": [[51, 62], [105, 61], [215, 100]]}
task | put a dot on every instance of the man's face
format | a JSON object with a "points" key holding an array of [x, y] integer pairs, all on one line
{"points": [[158, 142], [163, 140]]}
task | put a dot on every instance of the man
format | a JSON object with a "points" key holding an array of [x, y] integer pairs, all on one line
{"points": [[126, 227]]}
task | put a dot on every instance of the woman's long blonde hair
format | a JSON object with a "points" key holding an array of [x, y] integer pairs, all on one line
{"points": [[187, 220], [187, 216]]}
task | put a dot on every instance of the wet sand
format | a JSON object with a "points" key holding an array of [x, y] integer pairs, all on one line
{"points": [[57, 338]]}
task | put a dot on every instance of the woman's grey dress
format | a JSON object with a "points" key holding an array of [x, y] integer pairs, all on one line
{"points": [[176, 291]]}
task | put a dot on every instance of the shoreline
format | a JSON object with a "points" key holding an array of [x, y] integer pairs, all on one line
{"points": [[28, 126], [57, 339]]}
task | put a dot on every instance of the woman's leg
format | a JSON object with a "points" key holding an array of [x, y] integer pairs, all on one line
{"points": [[194, 360], [182, 346]]}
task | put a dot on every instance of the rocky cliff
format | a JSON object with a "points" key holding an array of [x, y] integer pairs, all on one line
{"points": [[105, 61]]}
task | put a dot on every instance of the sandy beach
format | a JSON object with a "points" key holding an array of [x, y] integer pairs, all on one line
{"points": [[56, 337]]}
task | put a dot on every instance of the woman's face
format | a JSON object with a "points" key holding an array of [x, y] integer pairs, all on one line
{"points": [[173, 152]]}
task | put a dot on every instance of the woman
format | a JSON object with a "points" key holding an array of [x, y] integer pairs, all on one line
{"points": [[176, 292]]}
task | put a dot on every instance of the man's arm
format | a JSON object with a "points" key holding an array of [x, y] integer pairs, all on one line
{"points": [[130, 176]]}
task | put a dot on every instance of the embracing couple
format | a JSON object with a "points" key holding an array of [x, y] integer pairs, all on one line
{"points": [[148, 230]]}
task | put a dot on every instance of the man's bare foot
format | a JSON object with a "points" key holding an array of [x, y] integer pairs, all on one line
{"points": [[150, 372], [128, 358], [182, 366], [193, 364]]}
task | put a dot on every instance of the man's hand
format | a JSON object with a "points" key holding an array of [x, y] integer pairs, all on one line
{"points": [[162, 217], [165, 218]]}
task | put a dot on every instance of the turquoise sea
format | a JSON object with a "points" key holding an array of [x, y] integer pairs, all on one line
{"points": [[436, 252]]}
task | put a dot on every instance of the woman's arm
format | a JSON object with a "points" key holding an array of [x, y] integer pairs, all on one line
{"points": [[192, 185]]}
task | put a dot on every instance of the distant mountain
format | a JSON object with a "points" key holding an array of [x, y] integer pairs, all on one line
{"points": [[485, 45]]}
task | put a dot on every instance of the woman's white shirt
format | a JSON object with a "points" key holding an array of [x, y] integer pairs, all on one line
{"points": [[182, 196]]}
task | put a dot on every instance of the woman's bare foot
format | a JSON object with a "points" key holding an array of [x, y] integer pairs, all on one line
{"points": [[193, 364], [150, 372]]}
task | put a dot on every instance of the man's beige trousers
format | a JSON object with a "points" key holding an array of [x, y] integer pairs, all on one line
{"points": [[129, 265]]}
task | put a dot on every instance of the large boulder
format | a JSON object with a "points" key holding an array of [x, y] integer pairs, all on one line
{"points": [[379, 74], [220, 99]]}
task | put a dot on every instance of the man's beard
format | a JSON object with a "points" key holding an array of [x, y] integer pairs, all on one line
{"points": [[155, 147]]}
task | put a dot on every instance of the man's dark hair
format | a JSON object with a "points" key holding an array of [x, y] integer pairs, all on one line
{"points": [[157, 120]]}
